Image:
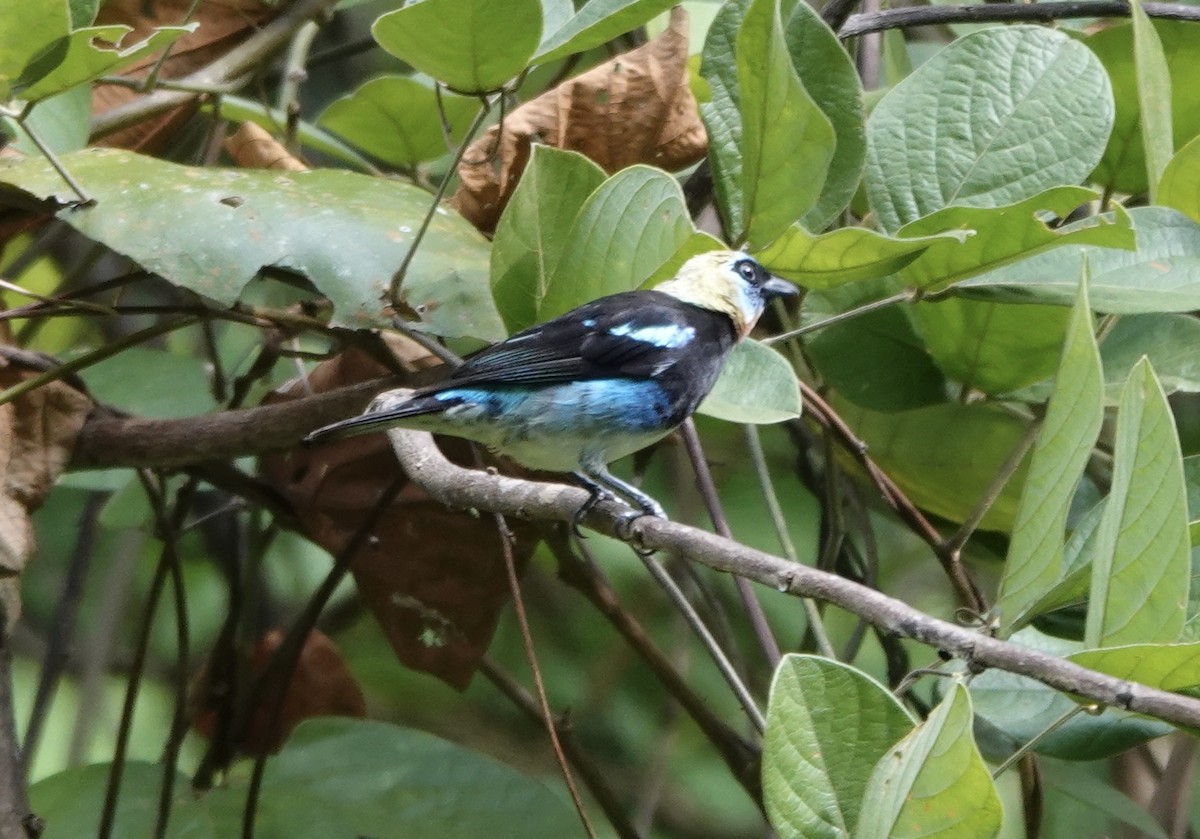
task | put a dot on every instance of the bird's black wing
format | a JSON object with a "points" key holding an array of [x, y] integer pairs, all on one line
{"points": [[635, 334]]}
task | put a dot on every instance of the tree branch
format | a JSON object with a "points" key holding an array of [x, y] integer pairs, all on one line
{"points": [[467, 488], [865, 22]]}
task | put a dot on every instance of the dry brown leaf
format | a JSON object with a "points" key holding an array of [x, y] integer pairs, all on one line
{"points": [[37, 434], [321, 686], [433, 578], [253, 147], [637, 108], [223, 25]]}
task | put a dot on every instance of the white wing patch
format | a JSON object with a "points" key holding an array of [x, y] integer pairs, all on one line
{"points": [[668, 336]]}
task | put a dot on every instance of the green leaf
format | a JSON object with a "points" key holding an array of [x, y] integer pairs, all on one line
{"points": [[786, 143], [597, 23], [933, 782], [1095, 795], [843, 255], [1011, 710], [945, 457], [875, 360], [333, 778], [1168, 340], [757, 385], [1191, 477], [1142, 567], [993, 347], [534, 229], [829, 76], [1001, 235], [1164, 666], [827, 726], [629, 226], [1180, 184], [1154, 95], [395, 119], [996, 117], [346, 232], [1074, 415], [86, 61], [1123, 166], [33, 41], [63, 122], [149, 382], [1162, 275], [720, 114], [474, 46]]}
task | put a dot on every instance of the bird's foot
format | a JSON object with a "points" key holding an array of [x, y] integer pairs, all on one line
{"points": [[624, 530], [597, 495]]}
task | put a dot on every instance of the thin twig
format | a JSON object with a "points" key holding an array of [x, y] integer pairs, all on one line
{"points": [[279, 670], [775, 509], [956, 542], [849, 314], [51, 157], [712, 501], [861, 24], [514, 587], [398, 278]]}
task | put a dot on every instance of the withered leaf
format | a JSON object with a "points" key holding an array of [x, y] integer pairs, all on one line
{"points": [[37, 433], [432, 577], [253, 147], [636, 108]]}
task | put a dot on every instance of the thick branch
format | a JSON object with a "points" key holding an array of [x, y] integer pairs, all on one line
{"points": [[108, 441], [865, 22], [461, 487]]}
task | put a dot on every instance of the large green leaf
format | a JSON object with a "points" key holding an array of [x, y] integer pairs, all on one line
{"points": [[720, 114], [1168, 340], [396, 119], [335, 777], [212, 230], [1162, 275], [1142, 569], [843, 255], [757, 385], [32, 42], [633, 223], [933, 782], [827, 726], [1123, 166], [831, 79], [946, 456], [996, 117], [1011, 710], [787, 142], [1074, 414], [993, 347], [596, 23], [474, 46], [534, 229], [1001, 235], [1154, 95]]}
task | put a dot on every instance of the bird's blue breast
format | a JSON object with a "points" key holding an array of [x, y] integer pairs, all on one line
{"points": [[560, 426]]}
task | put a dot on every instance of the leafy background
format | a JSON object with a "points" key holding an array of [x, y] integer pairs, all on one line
{"points": [[997, 227]]}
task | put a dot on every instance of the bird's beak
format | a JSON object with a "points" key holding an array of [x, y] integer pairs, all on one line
{"points": [[775, 287]]}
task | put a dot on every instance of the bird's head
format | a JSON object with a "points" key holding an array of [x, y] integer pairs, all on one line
{"points": [[729, 282]]}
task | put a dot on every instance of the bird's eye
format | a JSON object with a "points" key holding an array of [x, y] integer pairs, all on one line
{"points": [[746, 269]]}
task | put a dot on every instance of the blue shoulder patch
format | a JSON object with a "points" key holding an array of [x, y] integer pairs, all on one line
{"points": [[667, 336]]}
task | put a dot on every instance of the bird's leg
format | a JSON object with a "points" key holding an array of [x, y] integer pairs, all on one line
{"points": [[647, 505], [598, 494]]}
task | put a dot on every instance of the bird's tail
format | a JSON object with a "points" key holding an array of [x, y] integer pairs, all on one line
{"points": [[385, 412]]}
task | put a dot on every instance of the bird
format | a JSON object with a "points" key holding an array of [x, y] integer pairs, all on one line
{"points": [[600, 382]]}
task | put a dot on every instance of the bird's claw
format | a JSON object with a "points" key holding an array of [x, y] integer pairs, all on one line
{"points": [[623, 529], [585, 508]]}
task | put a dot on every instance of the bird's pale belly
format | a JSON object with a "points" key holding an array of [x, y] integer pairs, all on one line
{"points": [[559, 427]]}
